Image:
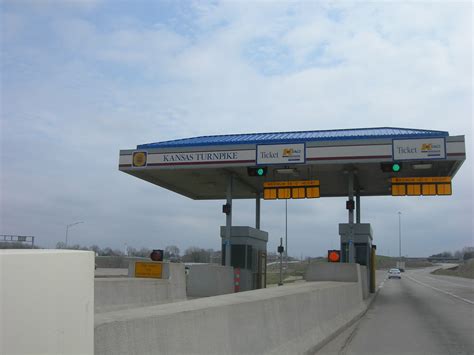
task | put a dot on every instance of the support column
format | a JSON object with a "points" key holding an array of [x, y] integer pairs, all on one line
{"points": [[350, 193], [228, 221], [358, 206], [257, 211]]}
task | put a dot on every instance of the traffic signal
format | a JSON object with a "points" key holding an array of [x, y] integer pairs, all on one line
{"points": [[394, 167], [157, 255], [334, 256], [350, 205], [257, 171]]}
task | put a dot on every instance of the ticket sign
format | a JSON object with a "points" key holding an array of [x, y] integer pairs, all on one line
{"points": [[281, 154], [419, 149], [421, 186], [291, 189], [148, 269]]}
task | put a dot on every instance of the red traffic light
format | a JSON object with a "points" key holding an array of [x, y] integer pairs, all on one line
{"points": [[156, 255], [334, 256]]}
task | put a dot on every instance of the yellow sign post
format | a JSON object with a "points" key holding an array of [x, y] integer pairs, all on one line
{"points": [[148, 269]]}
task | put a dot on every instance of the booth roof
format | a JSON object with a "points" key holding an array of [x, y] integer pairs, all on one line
{"points": [[297, 137]]}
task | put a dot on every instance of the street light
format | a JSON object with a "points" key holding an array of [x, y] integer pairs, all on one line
{"points": [[286, 233], [70, 225]]}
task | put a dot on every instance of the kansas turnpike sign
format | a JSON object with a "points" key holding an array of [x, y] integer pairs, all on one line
{"points": [[419, 149]]}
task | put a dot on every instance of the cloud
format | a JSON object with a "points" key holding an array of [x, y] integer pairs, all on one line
{"points": [[80, 83]]}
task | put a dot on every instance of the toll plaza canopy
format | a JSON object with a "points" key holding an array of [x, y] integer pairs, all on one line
{"points": [[198, 167]]}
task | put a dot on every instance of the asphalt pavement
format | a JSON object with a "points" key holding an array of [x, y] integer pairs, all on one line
{"points": [[419, 314]]}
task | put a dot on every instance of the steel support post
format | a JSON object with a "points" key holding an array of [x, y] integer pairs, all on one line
{"points": [[257, 211], [358, 207], [286, 233], [228, 221], [350, 188]]}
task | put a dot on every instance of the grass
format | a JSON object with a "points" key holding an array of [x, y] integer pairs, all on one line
{"points": [[388, 262], [465, 270]]}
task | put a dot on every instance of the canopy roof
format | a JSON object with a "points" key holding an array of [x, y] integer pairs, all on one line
{"points": [[297, 137], [198, 167]]}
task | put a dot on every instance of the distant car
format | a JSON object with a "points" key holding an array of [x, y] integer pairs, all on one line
{"points": [[394, 274]]}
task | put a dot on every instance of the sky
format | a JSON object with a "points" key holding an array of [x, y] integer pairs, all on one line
{"points": [[81, 80]]}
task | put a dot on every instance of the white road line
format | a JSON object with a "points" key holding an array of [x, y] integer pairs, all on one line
{"points": [[442, 291], [449, 282]]}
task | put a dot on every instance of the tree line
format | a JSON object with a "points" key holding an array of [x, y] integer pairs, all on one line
{"points": [[465, 253]]}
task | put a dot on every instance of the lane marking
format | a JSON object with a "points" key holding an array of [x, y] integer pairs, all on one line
{"points": [[449, 282], [442, 291], [381, 283]]}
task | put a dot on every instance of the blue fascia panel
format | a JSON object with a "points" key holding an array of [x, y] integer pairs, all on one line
{"points": [[297, 137]]}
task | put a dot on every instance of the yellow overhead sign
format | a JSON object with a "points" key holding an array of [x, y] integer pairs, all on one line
{"points": [[437, 179], [291, 189], [149, 269], [298, 183], [421, 186]]}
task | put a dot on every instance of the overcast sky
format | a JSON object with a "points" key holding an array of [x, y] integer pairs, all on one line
{"points": [[81, 80]]}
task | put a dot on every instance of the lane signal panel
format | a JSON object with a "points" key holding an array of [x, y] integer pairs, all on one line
{"points": [[426, 186], [291, 189]]}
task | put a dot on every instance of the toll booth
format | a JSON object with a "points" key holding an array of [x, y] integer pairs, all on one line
{"points": [[248, 253], [357, 236]]}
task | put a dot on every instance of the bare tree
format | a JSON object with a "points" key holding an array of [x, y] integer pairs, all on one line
{"points": [[172, 252]]}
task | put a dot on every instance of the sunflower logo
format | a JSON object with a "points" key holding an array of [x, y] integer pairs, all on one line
{"points": [[139, 159]]}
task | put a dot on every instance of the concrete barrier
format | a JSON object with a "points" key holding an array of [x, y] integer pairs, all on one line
{"points": [[46, 302], [128, 292], [205, 280], [292, 319], [364, 279], [333, 272], [343, 272], [116, 262]]}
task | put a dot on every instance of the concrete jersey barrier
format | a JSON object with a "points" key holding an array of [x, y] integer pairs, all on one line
{"points": [[205, 280], [291, 319], [125, 292]]}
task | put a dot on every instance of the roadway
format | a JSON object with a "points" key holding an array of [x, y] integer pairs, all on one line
{"points": [[419, 314]]}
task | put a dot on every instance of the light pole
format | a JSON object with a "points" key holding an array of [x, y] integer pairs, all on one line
{"points": [[400, 237], [70, 225], [286, 233]]}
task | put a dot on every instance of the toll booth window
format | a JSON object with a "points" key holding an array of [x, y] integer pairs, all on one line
{"points": [[249, 257], [361, 253], [238, 256]]}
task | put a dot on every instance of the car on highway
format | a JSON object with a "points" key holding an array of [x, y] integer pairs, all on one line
{"points": [[394, 274]]}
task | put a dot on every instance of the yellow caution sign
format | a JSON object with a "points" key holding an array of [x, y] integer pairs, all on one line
{"points": [[421, 180], [296, 183], [291, 189], [421, 186], [149, 269]]}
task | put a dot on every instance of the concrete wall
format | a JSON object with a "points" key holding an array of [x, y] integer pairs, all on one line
{"points": [[126, 292], [333, 272], [46, 302], [344, 272], [291, 319], [116, 262], [209, 280]]}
